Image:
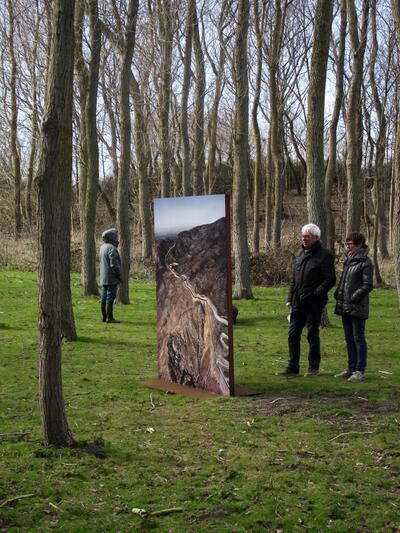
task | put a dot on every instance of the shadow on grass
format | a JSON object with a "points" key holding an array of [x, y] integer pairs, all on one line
{"points": [[6, 326], [112, 342]]}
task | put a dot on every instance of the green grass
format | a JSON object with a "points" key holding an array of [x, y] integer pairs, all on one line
{"points": [[283, 460]]}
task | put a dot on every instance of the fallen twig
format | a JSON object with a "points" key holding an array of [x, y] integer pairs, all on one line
{"points": [[161, 512], [16, 498], [352, 433], [151, 401], [385, 372], [280, 399], [56, 507]]}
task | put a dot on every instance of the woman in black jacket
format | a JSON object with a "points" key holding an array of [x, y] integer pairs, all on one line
{"points": [[352, 303]]}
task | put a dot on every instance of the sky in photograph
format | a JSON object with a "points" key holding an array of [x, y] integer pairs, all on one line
{"points": [[182, 213]]}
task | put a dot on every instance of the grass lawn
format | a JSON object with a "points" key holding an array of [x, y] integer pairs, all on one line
{"points": [[311, 454]]}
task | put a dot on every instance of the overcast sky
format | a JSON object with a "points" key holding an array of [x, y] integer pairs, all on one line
{"points": [[187, 212]]}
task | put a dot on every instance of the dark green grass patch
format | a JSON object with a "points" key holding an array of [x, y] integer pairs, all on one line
{"points": [[312, 454]]}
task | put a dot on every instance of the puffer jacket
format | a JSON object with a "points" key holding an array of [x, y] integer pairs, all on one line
{"points": [[313, 275], [356, 282], [110, 261]]}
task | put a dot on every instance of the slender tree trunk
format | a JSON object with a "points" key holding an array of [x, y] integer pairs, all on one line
{"points": [[166, 38], [331, 167], [125, 157], [213, 120], [275, 126], [268, 196], [15, 155], [396, 203], [53, 179], [89, 217], [354, 117], [143, 156], [198, 149], [241, 155], [83, 89], [315, 118], [256, 130], [187, 70]]}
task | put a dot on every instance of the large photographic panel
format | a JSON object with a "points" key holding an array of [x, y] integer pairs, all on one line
{"points": [[194, 326]]}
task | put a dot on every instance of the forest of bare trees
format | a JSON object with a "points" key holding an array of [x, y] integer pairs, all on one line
{"points": [[264, 99]]}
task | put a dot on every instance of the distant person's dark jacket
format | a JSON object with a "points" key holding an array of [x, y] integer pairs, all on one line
{"points": [[355, 283], [110, 261], [313, 276]]}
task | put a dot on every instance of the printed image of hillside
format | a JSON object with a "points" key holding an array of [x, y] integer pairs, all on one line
{"points": [[192, 312]]}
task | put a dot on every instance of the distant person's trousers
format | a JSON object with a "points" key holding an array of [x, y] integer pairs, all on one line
{"points": [[109, 294], [309, 315], [354, 333]]}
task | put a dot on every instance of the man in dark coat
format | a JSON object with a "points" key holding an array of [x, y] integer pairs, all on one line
{"points": [[313, 277], [110, 273], [352, 303]]}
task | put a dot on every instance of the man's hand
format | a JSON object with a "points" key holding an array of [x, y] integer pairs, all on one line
{"points": [[289, 305]]}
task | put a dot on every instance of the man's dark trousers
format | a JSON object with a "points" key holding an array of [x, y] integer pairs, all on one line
{"points": [[305, 314]]}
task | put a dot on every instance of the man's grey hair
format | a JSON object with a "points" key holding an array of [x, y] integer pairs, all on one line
{"points": [[313, 229]]}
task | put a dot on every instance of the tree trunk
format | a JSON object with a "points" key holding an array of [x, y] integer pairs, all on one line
{"points": [[198, 149], [315, 118], [83, 89], [53, 179], [241, 155], [275, 126], [123, 223], [256, 130], [331, 167], [187, 70], [166, 39], [89, 217], [141, 147], [15, 155], [213, 120], [396, 203], [268, 196], [354, 118]]}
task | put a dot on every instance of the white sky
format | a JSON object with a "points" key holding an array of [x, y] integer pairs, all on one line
{"points": [[187, 211]]}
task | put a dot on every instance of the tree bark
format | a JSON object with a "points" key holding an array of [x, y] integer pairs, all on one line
{"points": [[187, 71], [396, 206], [123, 223], [354, 117], [241, 155], [53, 180], [331, 167], [15, 155], [256, 130], [89, 216], [315, 118], [198, 149], [275, 126], [166, 39]]}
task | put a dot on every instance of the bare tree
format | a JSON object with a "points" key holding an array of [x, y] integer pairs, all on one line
{"points": [[187, 72], [396, 207], [166, 39], [15, 154], [53, 179], [241, 156], [125, 157], [89, 215], [354, 115], [198, 148], [332, 163], [315, 118], [256, 129]]}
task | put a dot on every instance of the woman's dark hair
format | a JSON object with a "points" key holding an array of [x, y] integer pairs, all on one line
{"points": [[356, 237]]}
